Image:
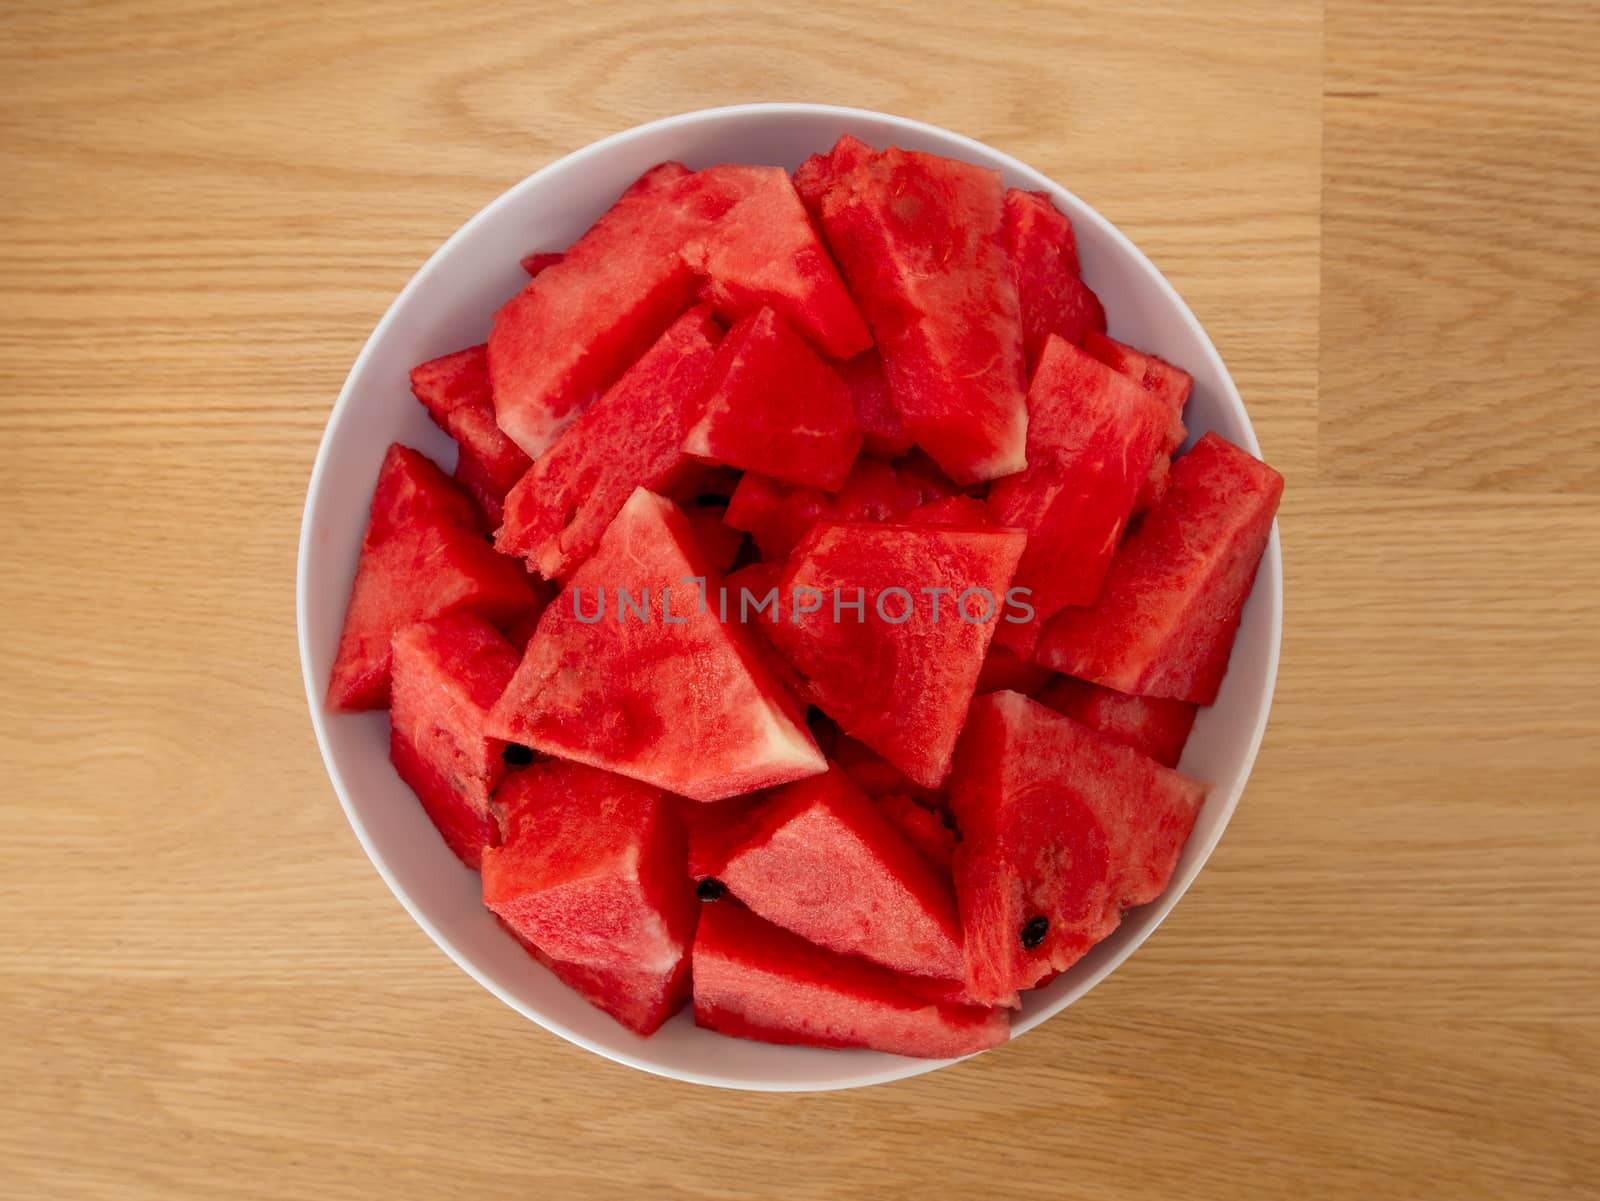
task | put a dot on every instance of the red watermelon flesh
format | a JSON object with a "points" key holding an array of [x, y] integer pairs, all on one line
{"points": [[719, 542], [818, 174], [632, 437], [1044, 257], [755, 980], [1092, 435], [422, 556], [900, 686], [575, 328], [778, 516], [590, 873], [538, 260], [1165, 620], [1005, 671], [1157, 727], [826, 863], [923, 827], [454, 388], [1170, 384], [715, 828], [765, 253], [1061, 829], [952, 510], [771, 405], [688, 704], [875, 775], [882, 432], [448, 673], [920, 241]]}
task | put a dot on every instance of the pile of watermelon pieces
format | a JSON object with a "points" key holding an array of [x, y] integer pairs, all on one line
{"points": [[665, 660]]}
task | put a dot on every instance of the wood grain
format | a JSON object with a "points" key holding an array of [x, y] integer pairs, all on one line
{"points": [[1382, 987]]}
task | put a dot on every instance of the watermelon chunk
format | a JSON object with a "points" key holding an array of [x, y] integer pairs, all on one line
{"points": [[1005, 671], [719, 542], [771, 405], [765, 253], [1165, 621], [687, 704], [454, 388], [422, 556], [537, 260], [631, 438], [566, 337], [924, 828], [898, 679], [1170, 384], [778, 516], [755, 980], [882, 432], [1061, 829], [1092, 435], [448, 673], [826, 863], [1155, 726], [920, 240], [1043, 252], [815, 177], [590, 873]]}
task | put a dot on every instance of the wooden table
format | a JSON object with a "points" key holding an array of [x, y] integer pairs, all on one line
{"points": [[1385, 984]]}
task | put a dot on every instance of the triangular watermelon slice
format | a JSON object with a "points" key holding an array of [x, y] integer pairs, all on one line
{"points": [[448, 673], [422, 556], [590, 875], [1150, 724], [628, 672], [755, 980], [1061, 829], [578, 324], [1165, 620], [771, 405], [895, 674], [1092, 435], [882, 432], [920, 240], [1171, 385], [813, 835], [632, 437], [1044, 257], [777, 516], [765, 253], [454, 388]]}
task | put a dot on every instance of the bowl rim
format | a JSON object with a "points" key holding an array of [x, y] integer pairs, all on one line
{"points": [[1269, 577]]}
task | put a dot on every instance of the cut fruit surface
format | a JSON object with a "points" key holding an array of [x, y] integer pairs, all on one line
{"points": [[578, 324], [778, 516], [632, 437], [898, 679], [755, 980], [1043, 252], [923, 827], [811, 837], [1171, 385], [771, 405], [1092, 435], [882, 432], [628, 672], [920, 240], [765, 253], [1157, 727], [447, 675], [1061, 829], [454, 388], [590, 874], [819, 173], [422, 556], [1165, 620]]}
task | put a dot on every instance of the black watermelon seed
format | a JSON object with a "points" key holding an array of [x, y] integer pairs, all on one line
{"points": [[711, 889], [1034, 930], [517, 755]]}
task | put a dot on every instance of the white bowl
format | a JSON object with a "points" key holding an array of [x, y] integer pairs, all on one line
{"points": [[448, 305]]}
